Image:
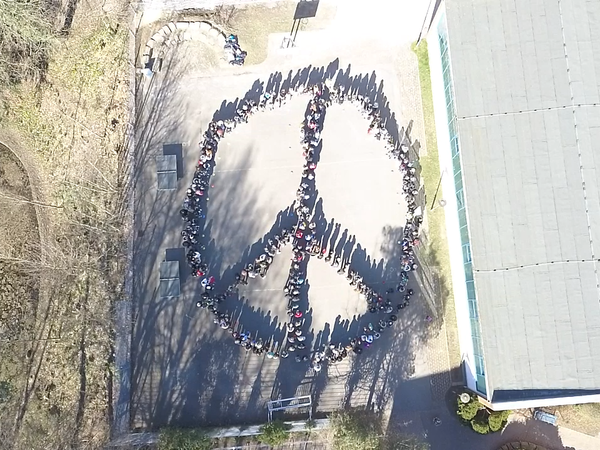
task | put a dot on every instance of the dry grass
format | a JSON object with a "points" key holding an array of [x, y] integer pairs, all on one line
{"points": [[253, 24], [438, 254], [583, 418], [73, 126], [18, 225], [18, 289]]}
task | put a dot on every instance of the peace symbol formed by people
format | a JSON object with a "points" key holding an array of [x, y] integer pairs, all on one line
{"points": [[306, 243]]}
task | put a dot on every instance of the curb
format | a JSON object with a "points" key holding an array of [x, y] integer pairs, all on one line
{"points": [[123, 312]]}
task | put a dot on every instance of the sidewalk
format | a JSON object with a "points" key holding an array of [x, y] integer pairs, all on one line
{"points": [[577, 440]]}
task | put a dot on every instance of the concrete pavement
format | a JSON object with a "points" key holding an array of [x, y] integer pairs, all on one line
{"points": [[257, 173]]}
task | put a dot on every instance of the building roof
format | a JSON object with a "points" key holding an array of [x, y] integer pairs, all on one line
{"points": [[526, 77]]}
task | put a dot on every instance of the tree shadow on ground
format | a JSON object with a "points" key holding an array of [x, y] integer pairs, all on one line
{"points": [[212, 381], [413, 412], [153, 354]]}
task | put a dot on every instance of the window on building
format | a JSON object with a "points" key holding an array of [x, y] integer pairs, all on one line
{"points": [[456, 167], [479, 366], [466, 253], [455, 147], [468, 271], [458, 183], [480, 385], [473, 309], [471, 289], [462, 218], [464, 234]]}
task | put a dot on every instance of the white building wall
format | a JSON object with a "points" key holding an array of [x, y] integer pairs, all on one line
{"points": [[459, 286]]}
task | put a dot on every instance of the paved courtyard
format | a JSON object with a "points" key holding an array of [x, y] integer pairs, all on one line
{"points": [[185, 369]]}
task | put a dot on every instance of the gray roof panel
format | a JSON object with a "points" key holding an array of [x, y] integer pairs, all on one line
{"points": [[589, 139], [581, 21], [525, 145]]}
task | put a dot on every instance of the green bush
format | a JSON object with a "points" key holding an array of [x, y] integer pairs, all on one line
{"points": [[481, 419], [183, 439], [480, 426], [497, 420], [467, 411], [275, 433]]}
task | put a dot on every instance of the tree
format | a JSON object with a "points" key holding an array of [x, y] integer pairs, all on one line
{"points": [[354, 431], [6, 390]]}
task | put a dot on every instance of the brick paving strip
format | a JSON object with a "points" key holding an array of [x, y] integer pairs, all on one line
{"points": [[442, 349]]}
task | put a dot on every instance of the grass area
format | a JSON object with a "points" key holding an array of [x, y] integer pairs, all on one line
{"points": [[583, 418], [74, 106], [254, 23], [437, 254], [353, 429], [73, 125]]}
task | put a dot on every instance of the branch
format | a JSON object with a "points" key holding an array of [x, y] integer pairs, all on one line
{"points": [[100, 191], [31, 202], [28, 263], [82, 125], [102, 175]]}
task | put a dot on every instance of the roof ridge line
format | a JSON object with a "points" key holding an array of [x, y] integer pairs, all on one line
{"points": [[547, 263], [528, 111]]}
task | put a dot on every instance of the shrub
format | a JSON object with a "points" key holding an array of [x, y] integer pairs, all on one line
{"points": [[183, 439], [352, 431], [275, 433], [467, 411], [497, 420], [480, 426], [360, 430], [481, 419]]}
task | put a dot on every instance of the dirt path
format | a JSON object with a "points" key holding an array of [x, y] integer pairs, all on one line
{"points": [[10, 140], [42, 328]]}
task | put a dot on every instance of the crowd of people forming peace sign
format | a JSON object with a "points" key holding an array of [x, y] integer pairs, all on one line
{"points": [[301, 237]]}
